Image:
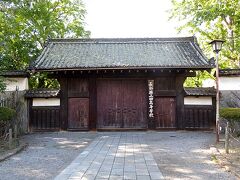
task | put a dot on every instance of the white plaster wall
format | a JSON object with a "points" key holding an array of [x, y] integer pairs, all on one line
{"points": [[193, 100], [229, 83], [11, 84], [46, 102]]}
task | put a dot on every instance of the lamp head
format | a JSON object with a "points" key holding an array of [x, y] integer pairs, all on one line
{"points": [[217, 45]]}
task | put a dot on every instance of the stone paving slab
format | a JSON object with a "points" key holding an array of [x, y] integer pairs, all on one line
{"points": [[118, 155]]}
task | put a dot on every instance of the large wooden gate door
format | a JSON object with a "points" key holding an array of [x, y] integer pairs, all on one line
{"points": [[121, 104], [109, 104], [165, 111], [78, 113]]}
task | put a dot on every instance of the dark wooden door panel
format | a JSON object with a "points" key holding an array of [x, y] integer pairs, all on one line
{"points": [[78, 113], [121, 104], [134, 108], [44, 118], [199, 117], [165, 110], [109, 104]]}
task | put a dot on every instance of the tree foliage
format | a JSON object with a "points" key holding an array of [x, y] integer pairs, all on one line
{"points": [[212, 19], [198, 80], [208, 20], [25, 25]]}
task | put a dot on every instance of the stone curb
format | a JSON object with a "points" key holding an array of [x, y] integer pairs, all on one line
{"points": [[216, 152], [13, 152]]}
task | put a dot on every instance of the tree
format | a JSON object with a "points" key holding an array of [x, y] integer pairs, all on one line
{"points": [[212, 19], [25, 25], [198, 80], [208, 20]]}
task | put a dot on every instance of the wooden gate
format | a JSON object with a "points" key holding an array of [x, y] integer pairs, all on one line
{"points": [[121, 104], [165, 110], [78, 113]]}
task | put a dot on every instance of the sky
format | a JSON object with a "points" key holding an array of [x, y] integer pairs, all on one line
{"points": [[130, 18]]}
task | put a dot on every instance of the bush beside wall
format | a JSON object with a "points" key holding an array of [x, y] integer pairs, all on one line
{"points": [[6, 114], [230, 114], [233, 116]]}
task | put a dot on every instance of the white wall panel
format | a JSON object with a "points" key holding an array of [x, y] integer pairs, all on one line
{"points": [[12, 83], [229, 83], [201, 100], [46, 102]]}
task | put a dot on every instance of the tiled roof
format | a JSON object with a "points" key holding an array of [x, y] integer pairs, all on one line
{"points": [[229, 72], [200, 91], [42, 93], [14, 73], [64, 54]]}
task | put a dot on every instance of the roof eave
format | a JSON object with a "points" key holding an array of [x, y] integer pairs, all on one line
{"points": [[116, 68]]}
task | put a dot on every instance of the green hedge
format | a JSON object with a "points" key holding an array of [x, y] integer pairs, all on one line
{"points": [[230, 113], [6, 114]]}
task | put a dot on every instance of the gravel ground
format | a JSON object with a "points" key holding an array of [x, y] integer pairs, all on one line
{"points": [[46, 155], [186, 155], [180, 155]]}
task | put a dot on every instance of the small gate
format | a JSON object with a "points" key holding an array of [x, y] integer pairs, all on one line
{"points": [[165, 110], [78, 113], [44, 109]]}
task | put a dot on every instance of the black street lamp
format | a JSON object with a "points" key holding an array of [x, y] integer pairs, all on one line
{"points": [[217, 47]]}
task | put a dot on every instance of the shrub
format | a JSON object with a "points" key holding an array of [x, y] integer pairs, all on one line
{"points": [[230, 114], [6, 114]]}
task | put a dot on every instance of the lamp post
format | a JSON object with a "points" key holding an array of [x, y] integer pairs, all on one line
{"points": [[217, 46]]}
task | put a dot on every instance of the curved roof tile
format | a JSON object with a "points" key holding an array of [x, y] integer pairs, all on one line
{"points": [[63, 54]]}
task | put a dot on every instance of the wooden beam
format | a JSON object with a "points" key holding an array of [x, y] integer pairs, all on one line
{"points": [[181, 122], [63, 103]]}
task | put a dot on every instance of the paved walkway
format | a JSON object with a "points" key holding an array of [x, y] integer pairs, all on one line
{"points": [[114, 156]]}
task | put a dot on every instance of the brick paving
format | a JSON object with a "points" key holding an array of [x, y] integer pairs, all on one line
{"points": [[118, 155]]}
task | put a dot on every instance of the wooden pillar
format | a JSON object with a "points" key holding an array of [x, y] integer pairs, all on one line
{"points": [[63, 103], [213, 117], [92, 104], [30, 114], [180, 120]]}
